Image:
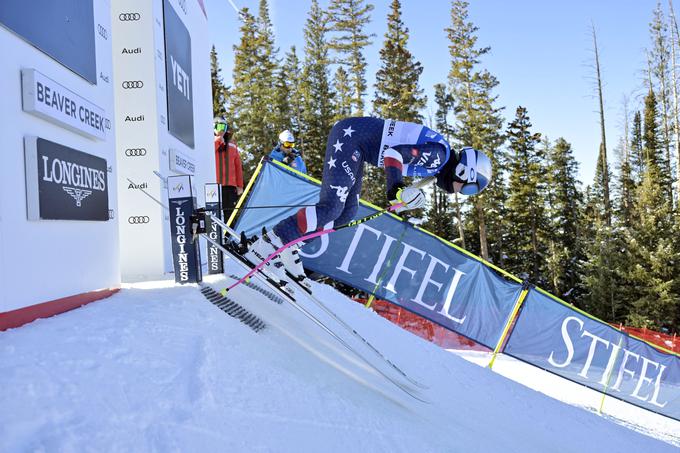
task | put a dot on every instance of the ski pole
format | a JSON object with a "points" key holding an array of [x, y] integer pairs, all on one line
{"points": [[312, 236]]}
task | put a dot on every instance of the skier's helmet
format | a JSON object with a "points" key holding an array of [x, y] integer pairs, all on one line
{"points": [[473, 171], [220, 124], [287, 139]]}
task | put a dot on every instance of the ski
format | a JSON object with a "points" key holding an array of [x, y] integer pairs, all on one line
{"points": [[262, 278], [328, 311]]}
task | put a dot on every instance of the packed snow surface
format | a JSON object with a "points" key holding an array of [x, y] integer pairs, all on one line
{"points": [[157, 367]]}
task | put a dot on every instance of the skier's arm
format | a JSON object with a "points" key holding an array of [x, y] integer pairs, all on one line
{"points": [[394, 166]]}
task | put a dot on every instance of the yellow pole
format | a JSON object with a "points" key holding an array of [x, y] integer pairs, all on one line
{"points": [[604, 391], [244, 195], [518, 304], [369, 301]]}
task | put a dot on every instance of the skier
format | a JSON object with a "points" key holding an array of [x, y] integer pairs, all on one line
{"points": [[403, 149], [285, 152]]}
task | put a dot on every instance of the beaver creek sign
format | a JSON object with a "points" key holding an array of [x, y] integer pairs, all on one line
{"points": [[64, 184]]}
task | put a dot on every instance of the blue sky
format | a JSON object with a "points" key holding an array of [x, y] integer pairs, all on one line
{"points": [[541, 52]]}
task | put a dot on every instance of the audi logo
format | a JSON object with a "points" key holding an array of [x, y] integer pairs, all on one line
{"points": [[129, 17], [103, 32], [135, 152], [132, 84], [138, 219]]}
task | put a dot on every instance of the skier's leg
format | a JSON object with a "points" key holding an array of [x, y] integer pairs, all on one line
{"points": [[342, 166]]}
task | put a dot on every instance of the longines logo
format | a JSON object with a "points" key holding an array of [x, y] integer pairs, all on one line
{"points": [[178, 188], [78, 194], [138, 219], [135, 152], [103, 32], [63, 183], [132, 84], [129, 17]]}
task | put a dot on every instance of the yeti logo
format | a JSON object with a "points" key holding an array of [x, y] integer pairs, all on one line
{"points": [[341, 192]]}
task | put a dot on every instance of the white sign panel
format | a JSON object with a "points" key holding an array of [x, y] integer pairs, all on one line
{"points": [[181, 163], [179, 187], [49, 100]]}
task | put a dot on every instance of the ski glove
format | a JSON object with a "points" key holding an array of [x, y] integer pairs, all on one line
{"points": [[412, 197]]}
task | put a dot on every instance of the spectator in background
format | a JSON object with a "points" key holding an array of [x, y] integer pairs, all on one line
{"points": [[228, 166], [285, 152]]}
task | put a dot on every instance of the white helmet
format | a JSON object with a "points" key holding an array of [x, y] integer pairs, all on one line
{"points": [[473, 170], [286, 136]]}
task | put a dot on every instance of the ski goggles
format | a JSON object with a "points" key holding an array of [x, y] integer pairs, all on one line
{"points": [[221, 127], [288, 144]]}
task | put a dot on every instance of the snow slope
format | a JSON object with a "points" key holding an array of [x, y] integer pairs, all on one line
{"points": [[159, 368]]}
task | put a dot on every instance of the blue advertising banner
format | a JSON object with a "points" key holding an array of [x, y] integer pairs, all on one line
{"points": [[557, 338], [393, 260]]}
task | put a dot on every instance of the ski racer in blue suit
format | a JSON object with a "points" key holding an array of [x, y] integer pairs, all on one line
{"points": [[402, 149]]}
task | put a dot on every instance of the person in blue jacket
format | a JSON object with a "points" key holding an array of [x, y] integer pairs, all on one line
{"points": [[402, 149], [285, 152]]}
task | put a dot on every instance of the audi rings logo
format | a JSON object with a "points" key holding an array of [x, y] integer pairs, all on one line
{"points": [[129, 17], [132, 84], [135, 152], [138, 219]]}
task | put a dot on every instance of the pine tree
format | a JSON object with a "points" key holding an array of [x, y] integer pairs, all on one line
{"points": [[564, 214], [526, 215], [253, 93], [397, 92], [348, 20], [220, 93], [343, 95], [655, 257], [602, 248], [659, 57], [317, 113], [280, 103], [479, 123], [636, 149], [293, 70], [245, 114], [441, 213]]}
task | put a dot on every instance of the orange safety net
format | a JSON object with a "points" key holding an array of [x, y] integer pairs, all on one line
{"points": [[422, 327], [669, 342]]}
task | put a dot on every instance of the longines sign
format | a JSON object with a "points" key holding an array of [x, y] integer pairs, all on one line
{"points": [[49, 100], [64, 184]]}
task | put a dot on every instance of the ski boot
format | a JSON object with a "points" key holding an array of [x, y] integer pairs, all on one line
{"points": [[292, 264], [257, 249]]}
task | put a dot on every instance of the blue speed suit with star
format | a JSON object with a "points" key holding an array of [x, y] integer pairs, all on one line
{"points": [[401, 148]]}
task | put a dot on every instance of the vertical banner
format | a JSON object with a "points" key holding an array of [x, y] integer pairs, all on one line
{"points": [[186, 255], [213, 204]]}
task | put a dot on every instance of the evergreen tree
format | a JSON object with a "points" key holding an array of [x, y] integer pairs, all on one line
{"points": [[526, 214], [244, 102], [659, 56], [220, 93], [348, 20], [652, 150], [280, 103], [253, 93], [564, 214], [653, 251], [343, 94], [293, 70], [397, 94], [317, 114], [479, 123], [636, 149], [441, 215]]}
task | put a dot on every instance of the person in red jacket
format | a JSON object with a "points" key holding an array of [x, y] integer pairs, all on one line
{"points": [[228, 167]]}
